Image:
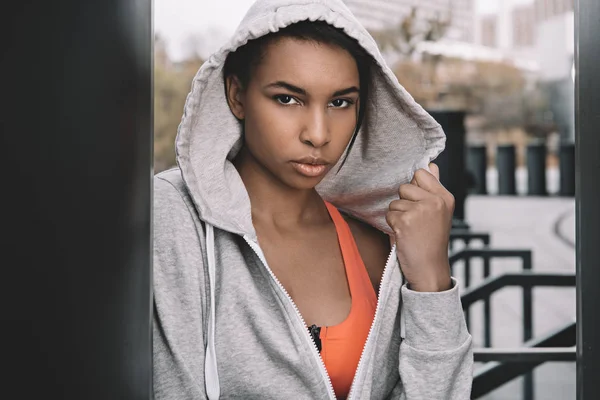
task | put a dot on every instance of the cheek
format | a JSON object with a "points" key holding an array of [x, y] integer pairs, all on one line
{"points": [[270, 130], [343, 126]]}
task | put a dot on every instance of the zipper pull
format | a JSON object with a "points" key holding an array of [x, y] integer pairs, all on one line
{"points": [[315, 332]]}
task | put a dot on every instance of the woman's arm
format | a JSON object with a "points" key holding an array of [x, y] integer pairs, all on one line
{"points": [[436, 358], [179, 295]]}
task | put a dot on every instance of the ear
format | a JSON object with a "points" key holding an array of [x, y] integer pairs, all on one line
{"points": [[235, 96]]}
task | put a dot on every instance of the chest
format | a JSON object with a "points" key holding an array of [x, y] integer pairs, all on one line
{"points": [[311, 268]]}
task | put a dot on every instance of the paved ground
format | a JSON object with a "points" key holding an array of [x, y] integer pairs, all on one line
{"points": [[547, 226]]}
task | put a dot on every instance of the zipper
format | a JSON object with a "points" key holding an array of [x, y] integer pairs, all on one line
{"points": [[322, 369], [360, 366]]}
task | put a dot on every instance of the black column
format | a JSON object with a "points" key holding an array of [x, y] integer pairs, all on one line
{"points": [[536, 169], [587, 138], [506, 161], [452, 161], [76, 199], [477, 164]]}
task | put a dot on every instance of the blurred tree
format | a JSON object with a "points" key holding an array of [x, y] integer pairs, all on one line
{"points": [[499, 93], [503, 95], [412, 29], [403, 40], [161, 56], [172, 83]]}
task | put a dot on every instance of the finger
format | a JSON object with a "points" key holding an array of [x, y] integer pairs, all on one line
{"points": [[435, 170], [402, 205], [426, 180], [413, 192], [413, 181], [394, 220], [399, 221]]}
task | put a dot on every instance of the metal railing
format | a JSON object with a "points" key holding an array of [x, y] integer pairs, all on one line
{"points": [[466, 236], [487, 254], [526, 280], [504, 365], [525, 355]]}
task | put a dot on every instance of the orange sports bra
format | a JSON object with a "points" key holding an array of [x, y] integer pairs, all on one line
{"points": [[341, 345]]}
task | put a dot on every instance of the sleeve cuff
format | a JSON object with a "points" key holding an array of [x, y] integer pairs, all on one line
{"points": [[434, 321]]}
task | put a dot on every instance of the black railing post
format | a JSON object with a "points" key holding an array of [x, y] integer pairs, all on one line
{"points": [[527, 324], [477, 166], [487, 309], [467, 283], [536, 169], [506, 164]]}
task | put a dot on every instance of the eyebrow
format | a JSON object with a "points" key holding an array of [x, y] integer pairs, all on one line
{"points": [[298, 90]]}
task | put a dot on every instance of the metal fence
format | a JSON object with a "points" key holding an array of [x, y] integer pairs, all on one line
{"points": [[503, 365]]}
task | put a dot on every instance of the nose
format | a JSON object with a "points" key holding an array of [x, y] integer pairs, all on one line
{"points": [[316, 130]]}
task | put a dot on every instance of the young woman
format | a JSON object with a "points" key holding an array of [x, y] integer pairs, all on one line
{"points": [[301, 245]]}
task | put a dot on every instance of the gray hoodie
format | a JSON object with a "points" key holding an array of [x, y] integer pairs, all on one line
{"points": [[224, 326]]}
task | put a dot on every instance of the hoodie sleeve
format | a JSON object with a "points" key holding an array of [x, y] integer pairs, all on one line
{"points": [[436, 355], [179, 298]]}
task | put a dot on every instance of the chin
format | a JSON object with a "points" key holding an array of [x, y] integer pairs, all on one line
{"points": [[302, 183]]}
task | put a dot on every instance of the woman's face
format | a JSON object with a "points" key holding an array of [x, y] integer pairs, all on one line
{"points": [[299, 110]]}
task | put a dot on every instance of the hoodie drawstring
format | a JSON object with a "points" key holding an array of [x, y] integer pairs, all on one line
{"points": [[211, 374]]}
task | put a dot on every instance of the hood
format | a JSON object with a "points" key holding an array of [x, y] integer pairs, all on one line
{"points": [[397, 137]]}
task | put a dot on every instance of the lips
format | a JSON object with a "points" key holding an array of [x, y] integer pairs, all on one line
{"points": [[311, 167]]}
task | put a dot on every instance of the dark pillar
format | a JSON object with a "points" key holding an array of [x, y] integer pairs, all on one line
{"points": [[453, 173], [567, 169], [536, 169], [506, 165], [477, 167], [76, 193], [587, 172]]}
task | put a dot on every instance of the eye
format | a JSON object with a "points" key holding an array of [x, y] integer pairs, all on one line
{"points": [[341, 103], [285, 99]]}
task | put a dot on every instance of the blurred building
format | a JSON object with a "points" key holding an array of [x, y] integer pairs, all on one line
{"points": [[536, 36], [523, 24], [489, 30], [379, 14], [547, 9], [541, 33]]}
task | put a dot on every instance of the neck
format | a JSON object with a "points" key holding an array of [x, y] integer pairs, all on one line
{"points": [[274, 202]]}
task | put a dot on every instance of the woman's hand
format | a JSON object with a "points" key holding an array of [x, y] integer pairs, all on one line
{"points": [[421, 220]]}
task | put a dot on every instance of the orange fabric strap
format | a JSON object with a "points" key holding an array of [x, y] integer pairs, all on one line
{"points": [[342, 344]]}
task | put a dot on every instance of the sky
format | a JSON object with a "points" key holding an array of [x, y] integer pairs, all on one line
{"points": [[177, 20]]}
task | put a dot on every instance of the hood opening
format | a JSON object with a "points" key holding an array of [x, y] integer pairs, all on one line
{"points": [[396, 138]]}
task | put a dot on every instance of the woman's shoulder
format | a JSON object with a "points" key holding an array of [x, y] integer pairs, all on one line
{"points": [[169, 182], [169, 192], [178, 235], [173, 209]]}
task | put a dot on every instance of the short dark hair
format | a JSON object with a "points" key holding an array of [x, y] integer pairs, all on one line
{"points": [[245, 59]]}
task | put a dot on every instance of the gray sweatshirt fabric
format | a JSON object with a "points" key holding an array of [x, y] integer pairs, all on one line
{"points": [[224, 327]]}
